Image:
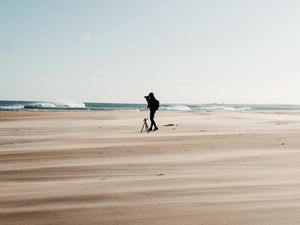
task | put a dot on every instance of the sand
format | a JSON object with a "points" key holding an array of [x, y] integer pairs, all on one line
{"points": [[210, 168]]}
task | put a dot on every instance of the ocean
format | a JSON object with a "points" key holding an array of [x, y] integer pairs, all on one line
{"points": [[75, 105]]}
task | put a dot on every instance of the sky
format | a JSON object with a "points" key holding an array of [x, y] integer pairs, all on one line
{"points": [[185, 51]]}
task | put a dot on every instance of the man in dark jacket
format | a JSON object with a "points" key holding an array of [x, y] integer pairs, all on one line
{"points": [[153, 105]]}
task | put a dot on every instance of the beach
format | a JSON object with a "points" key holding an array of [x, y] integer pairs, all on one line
{"points": [[200, 167]]}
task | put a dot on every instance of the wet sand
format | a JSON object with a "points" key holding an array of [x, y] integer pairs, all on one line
{"points": [[207, 168]]}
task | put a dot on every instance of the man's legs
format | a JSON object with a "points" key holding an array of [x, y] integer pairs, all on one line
{"points": [[152, 113]]}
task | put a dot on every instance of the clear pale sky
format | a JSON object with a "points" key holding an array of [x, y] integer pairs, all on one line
{"points": [[235, 51]]}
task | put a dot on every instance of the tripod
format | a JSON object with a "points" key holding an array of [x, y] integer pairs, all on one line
{"points": [[145, 125]]}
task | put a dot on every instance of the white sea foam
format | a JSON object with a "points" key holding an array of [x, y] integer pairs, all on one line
{"points": [[245, 109], [69, 103], [58, 104], [12, 107], [176, 108], [225, 108], [41, 105]]}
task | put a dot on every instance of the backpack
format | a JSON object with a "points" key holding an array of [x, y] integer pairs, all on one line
{"points": [[156, 105]]}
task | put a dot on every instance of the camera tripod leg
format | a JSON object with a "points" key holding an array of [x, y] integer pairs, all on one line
{"points": [[142, 128], [146, 127]]}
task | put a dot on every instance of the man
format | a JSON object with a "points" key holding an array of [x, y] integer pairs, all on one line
{"points": [[153, 105]]}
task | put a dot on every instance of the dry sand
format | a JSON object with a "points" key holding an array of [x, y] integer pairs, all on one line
{"points": [[214, 168]]}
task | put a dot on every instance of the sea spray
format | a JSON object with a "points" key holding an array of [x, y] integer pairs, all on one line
{"points": [[69, 103], [176, 108]]}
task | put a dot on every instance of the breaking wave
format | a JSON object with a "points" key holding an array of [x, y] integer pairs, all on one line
{"points": [[224, 108], [11, 107], [53, 105], [60, 104], [176, 108], [209, 107]]}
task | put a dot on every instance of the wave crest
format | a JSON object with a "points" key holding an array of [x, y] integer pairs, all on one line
{"points": [[226, 108], [59, 104], [70, 103], [176, 108], [11, 107]]}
